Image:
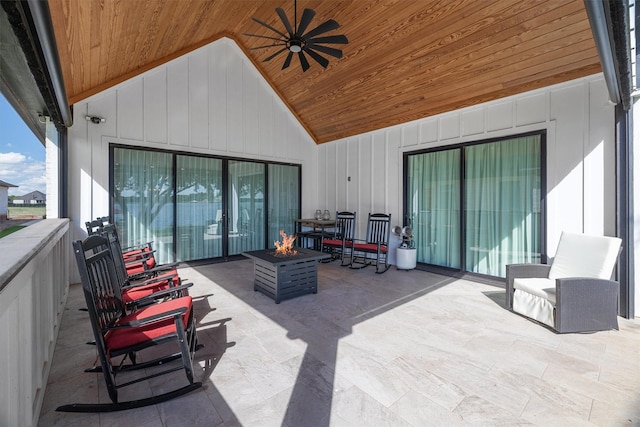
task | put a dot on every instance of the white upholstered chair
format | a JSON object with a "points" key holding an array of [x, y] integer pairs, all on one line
{"points": [[574, 293]]}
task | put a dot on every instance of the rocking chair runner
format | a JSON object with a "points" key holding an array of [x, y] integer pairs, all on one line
{"points": [[340, 244], [119, 334], [376, 244]]}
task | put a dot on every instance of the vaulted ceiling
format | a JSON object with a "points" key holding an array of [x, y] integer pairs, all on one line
{"points": [[405, 60]]}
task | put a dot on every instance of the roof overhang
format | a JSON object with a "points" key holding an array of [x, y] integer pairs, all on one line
{"points": [[30, 78]]}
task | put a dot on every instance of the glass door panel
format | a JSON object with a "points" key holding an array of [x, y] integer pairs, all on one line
{"points": [[433, 206], [143, 197], [284, 200], [198, 208], [502, 206], [245, 207]]}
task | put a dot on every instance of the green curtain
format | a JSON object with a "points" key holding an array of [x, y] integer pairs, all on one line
{"points": [[199, 207], [143, 199], [246, 206], [284, 201], [434, 206], [502, 204]]}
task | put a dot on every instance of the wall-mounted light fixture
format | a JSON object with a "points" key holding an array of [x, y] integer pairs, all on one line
{"points": [[95, 119]]}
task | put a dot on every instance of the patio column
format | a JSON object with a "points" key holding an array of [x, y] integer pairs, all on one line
{"points": [[55, 171]]}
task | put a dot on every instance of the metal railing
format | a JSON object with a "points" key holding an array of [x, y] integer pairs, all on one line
{"points": [[34, 283]]}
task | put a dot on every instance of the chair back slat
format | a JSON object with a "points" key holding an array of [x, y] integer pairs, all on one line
{"points": [[110, 233], [98, 276], [378, 228], [345, 225]]}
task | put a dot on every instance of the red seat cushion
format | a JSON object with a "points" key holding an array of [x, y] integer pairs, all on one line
{"points": [[169, 274], [135, 293], [333, 242], [369, 247], [139, 267], [117, 339]]}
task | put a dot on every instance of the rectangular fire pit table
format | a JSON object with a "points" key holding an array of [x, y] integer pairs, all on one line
{"points": [[283, 277]]}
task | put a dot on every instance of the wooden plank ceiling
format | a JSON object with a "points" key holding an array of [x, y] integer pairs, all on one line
{"points": [[405, 60]]}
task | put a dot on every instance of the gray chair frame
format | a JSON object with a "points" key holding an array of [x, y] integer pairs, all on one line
{"points": [[582, 304]]}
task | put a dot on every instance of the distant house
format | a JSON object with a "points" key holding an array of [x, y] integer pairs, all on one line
{"points": [[4, 199], [33, 198]]}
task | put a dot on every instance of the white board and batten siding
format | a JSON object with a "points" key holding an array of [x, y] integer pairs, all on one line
{"points": [[211, 101], [364, 173]]}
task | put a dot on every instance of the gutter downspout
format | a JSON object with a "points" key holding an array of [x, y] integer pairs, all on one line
{"points": [[610, 25]]}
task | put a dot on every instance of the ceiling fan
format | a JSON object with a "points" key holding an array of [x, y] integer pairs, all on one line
{"points": [[297, 41]]}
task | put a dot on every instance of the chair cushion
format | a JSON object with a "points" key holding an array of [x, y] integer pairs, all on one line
{"points": [[580, 255], [135, 293], [369, 247], [334, 242], [116, 339], [540, 287], [139, 267]]}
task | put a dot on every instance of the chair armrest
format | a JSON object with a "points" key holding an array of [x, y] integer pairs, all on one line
{"points": [[586, 304], [151, 299], [516, 271]]}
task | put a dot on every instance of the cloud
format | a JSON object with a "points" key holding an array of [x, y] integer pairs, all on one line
{"points": [[25, 172], [11, 158]]}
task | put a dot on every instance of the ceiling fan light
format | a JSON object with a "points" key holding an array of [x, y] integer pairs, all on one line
{"points": [[294, 45]]}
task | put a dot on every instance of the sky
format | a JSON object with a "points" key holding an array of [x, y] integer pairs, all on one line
{"points": [[22, 155]]}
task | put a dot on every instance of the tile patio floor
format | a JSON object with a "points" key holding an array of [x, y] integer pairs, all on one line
{"points": [[397, 349]]}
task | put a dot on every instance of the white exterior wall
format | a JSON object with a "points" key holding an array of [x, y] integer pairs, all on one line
{"points": [[210, 101], [580, 156], [52, 170], [4, 201]]}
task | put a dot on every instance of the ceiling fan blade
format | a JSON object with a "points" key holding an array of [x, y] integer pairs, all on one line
{"points": [[338, 39], [322, 28], [336, 53], [267, 45], [275, 54], [287, 61], [303, 61], [263, 37], [270, 27], [319, 58], [307, 16], [285, 20]]}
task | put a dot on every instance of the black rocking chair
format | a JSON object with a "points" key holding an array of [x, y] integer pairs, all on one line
{"points": [[340, 244], [375, 246], [119, 336]]}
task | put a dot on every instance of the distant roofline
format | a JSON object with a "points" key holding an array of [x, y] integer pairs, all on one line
{"points": [[6, 184]]}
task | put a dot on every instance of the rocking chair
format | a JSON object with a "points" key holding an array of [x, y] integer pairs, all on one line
{"points": [[340, 244], [165, 284], [375, 246], [119, 334]]}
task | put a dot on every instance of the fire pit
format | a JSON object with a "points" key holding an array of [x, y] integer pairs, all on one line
{"points": [[285, 276]]}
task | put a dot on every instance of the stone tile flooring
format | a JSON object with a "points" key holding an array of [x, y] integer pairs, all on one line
{"points": [[397, 349]]}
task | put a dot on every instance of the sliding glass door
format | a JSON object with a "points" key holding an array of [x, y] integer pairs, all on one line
{"points": [[246, 206], [143, 194], [197, 207], [498, 188], [434, 206], [284, 199], [502, 204]]}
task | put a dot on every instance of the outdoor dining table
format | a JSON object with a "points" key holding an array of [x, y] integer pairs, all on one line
{"points": [[319, 228]]}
